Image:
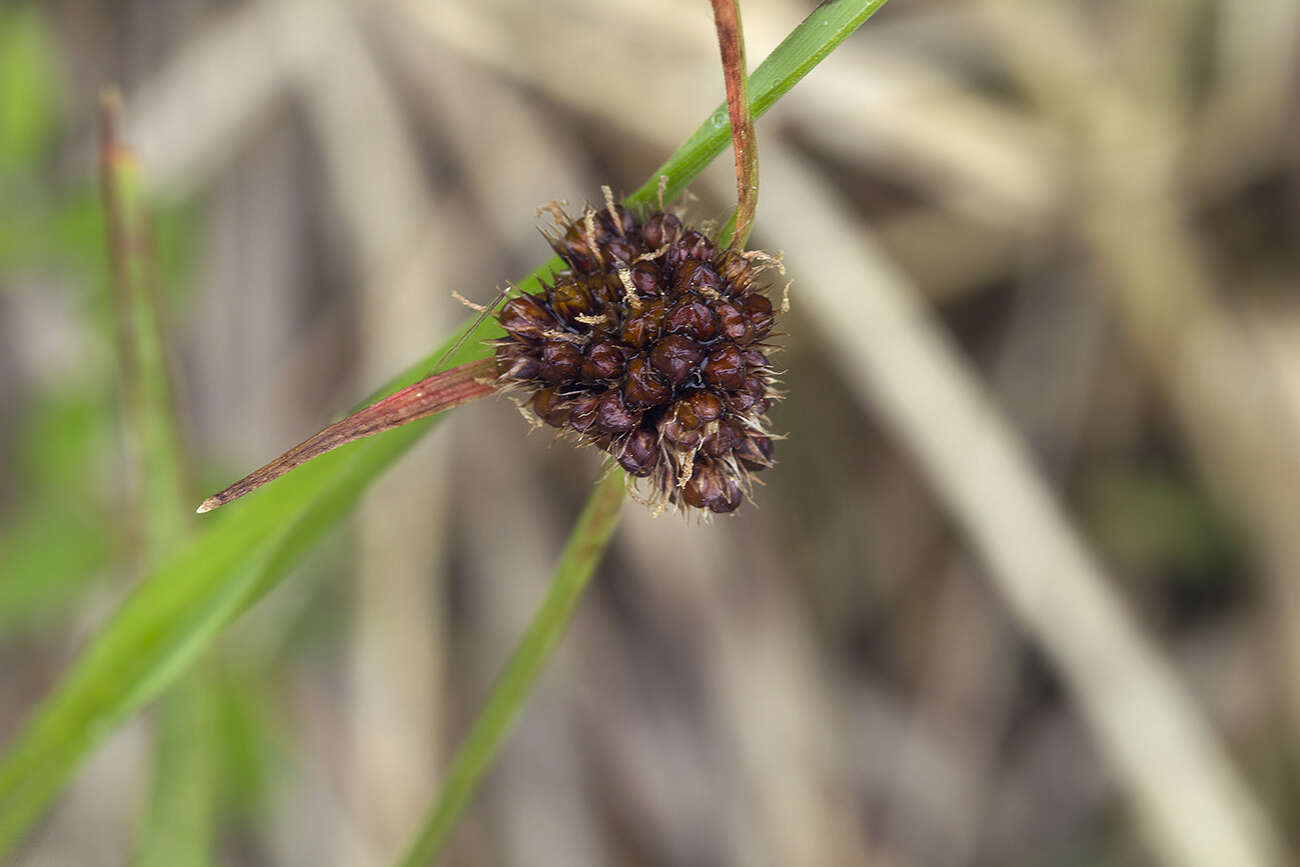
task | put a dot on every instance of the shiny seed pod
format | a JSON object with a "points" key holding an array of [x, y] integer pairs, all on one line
{"points": [[692, 317], [698, 277], [569, 299], [607, 230], [640, 453], [736, 270], [672, 429], [661, 229], [647, 279], [690, 246], [613, 415], [711, 487], [525, 317], [758, 310], [725, 368], [622, 250], [642, 326], [561, 361], [514, 363], [725, 437], [583, 410], [602, 361], [577, 251], [676, 357], [550, 407], [755, 452], [645, 386]]}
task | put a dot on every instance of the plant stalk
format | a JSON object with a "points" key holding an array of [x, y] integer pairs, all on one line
{"points": [[582, 553], [735, 72]]}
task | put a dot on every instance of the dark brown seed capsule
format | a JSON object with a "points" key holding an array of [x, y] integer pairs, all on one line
{"points": [[724, 368], [706, 406], [692, 317], [733, 324], [758, 310], [613, 414], [607, 230], [756, 386], [577, 251], [736, 270], [645, 386], [740, 402], [622, 250], [569, 300], [642, 326], [691, 245], [514, 363], [603, 288], [661, 229], [755, 452], [561, 361], [525, 317], [674, 431], [697, 409], [697, 277], [676, 357], [583, 411], [727, 436], [647, 279], [711, 487], [550, 407], [640, 453], [603, 360]]}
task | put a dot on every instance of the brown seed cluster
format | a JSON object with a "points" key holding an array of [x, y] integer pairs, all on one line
{"points": [[650, 346]]}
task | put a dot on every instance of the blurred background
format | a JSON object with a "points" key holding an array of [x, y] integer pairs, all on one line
{"points": [[1043, 370]]}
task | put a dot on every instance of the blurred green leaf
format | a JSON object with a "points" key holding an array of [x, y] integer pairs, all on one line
{"points": [[57, 542], [179, 823], [178, 829], [249, 744], [244, 551], [28, 87]]}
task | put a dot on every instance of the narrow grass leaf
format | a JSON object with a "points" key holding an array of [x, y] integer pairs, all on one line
{"points": [[178, 830], [178, 827]]}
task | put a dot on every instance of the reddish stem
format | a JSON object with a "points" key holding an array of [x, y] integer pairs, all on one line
{"points": [[731, 41], [435, 393]]}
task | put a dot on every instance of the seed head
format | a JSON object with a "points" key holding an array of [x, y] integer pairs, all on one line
{"points": [[649, 346]]}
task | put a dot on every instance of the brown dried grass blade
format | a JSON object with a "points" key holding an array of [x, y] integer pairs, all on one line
{"points": [[435, 393]]}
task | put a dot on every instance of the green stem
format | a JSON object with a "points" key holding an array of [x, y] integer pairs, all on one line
{"points": [[577, 564]]}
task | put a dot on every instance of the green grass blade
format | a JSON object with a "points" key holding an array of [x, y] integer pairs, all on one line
{"points": [[577, 564], [246, 548], [29, 95], [806, 46], [178, 827]]}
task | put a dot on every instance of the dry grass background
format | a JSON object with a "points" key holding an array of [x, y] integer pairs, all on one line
{"points": [[1022, 588]]}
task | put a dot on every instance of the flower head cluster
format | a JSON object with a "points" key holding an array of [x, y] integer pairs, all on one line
{"points": [[650, 346]]}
